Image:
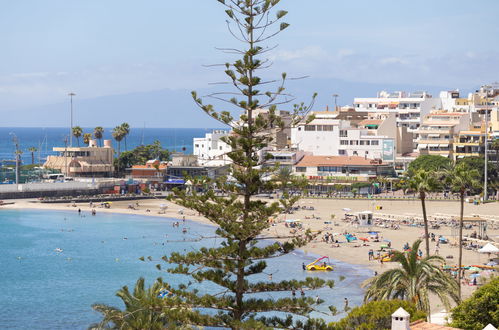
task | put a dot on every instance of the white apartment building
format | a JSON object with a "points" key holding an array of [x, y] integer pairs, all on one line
{"points": [[360, 142], [436, 134], [326, 136], [211, 151], [410, 108], [453, 102], [321, 136]]}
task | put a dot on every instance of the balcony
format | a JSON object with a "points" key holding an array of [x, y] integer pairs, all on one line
{"points": [[434, 141], [432, 130]]}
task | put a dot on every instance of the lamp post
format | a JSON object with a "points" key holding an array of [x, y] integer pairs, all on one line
{"points": [[17, 153], [485, 195], [66, 157], [335, 96], [71, 128]]}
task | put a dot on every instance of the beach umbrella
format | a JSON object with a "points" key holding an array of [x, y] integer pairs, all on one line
{"points": [[474, 269], [474, 275], [384, 246], [364, 239], [492, 263], [489, 248]]}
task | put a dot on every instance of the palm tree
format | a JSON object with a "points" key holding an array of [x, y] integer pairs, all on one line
{"points": [[118, 135], [495, 146], [77, 131], [126, 130], [32, 150], [414, 281], [461, 178], [423, 182], [86, 138], [143, 308], [99, 133]]}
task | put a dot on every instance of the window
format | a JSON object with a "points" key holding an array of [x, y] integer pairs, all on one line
{"points": [[220, 147], [301, 169], [362, 142], [328, 128], [374, 142], [196, 145], [342, 152], [344, 142], [299, 128], [354, 142], [327, 169], [343, 133], [355, 153], [309, 128]]}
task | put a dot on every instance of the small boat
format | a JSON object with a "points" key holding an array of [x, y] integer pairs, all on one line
{"points": [[58, 250], [325, 265]]}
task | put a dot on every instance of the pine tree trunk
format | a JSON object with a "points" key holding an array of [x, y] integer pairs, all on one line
{"points": [[460, 261], [32, 158], [238, 313], [425, 220]]}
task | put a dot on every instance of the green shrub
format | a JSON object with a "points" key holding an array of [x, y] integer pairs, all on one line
{"points": [[376, 315], [480, 309]]}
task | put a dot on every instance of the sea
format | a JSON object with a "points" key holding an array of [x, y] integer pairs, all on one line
{"points": [[42, 288], [44, 139]]}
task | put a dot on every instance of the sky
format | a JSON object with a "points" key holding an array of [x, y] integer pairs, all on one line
{"points": [[114, 48]]}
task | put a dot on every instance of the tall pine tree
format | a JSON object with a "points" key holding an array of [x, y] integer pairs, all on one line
{"points": [[239, 216]]}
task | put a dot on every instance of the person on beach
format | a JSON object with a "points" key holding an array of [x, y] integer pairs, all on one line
{"points": [[303, 266], [346, 304]]}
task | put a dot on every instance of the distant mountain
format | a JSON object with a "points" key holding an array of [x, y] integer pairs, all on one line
{"points": [[175, 108]]}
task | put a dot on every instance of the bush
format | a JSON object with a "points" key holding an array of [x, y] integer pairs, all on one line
{"points": [[376, 315], [480, 309], [429, 163]]}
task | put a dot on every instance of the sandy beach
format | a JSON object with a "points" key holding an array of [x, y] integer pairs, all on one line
{"points": [[320, 219]]}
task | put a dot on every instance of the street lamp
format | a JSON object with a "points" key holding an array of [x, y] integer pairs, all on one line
{"points": [[335, 96], [17, 153], [485, 195], [71, 128]]}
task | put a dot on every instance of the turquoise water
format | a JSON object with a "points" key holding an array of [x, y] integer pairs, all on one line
{"points": [[45, 289]]}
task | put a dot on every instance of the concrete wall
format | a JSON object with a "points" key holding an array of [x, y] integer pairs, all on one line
{"points": [[36, 190]]}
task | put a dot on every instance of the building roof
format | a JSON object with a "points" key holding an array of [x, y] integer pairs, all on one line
{"points": [[148, 167], [400, 312], [471, 133], [336, 161], [443, 114], [366, 122], [423, 325], [324, 121]]}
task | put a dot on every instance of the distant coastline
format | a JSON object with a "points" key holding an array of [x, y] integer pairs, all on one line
{"points": [[44, 139]]}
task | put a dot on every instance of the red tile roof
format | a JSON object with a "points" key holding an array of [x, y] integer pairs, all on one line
{"points": [[370, 122], [423, 325]]}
